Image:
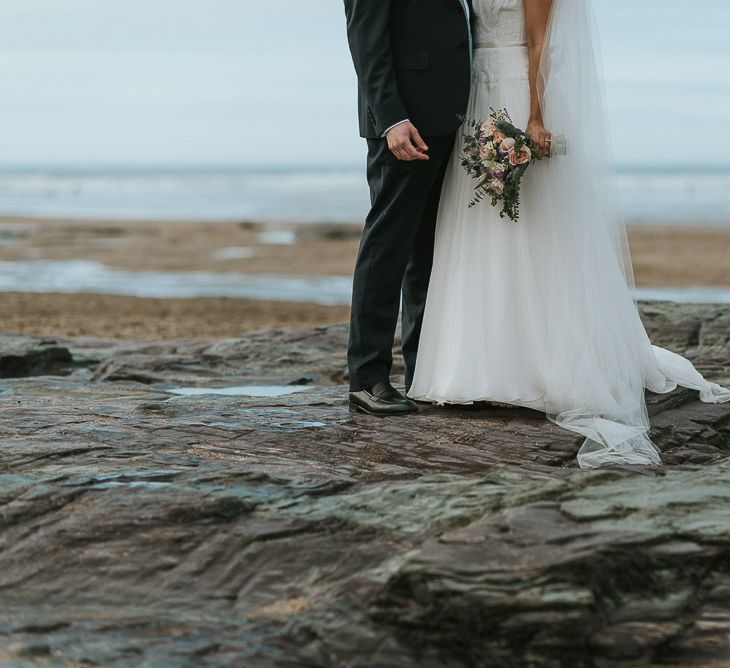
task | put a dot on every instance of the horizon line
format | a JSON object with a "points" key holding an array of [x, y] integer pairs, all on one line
{"points": [[90, 167]]}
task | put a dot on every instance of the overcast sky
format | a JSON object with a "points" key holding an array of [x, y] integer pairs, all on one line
{"points": [[254, 82]]}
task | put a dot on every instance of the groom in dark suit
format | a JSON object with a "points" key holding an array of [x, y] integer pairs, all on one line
{"points": [[413, 63]]}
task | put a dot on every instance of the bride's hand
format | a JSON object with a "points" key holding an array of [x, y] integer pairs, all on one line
{"points": [[540, 136]]}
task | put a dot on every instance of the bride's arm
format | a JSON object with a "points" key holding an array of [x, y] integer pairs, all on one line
{"points": [[537, 13]]}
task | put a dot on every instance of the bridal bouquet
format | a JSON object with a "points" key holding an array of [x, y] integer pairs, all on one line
{"points": [[497, 155]]}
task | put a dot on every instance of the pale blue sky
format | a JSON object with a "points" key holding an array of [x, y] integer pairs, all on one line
{"points": [[141, 82]]}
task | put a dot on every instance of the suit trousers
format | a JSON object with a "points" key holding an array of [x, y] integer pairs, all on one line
{"points": [[395, 258]]}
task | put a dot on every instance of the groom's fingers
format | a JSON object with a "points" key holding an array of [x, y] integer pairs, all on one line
{"points": [[414, 154], [397, 137], [405, 143], [417, 149], [417, 140], [401, 154]]}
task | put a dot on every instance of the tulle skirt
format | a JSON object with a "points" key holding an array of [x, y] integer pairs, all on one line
{"points": [[538, 313]]}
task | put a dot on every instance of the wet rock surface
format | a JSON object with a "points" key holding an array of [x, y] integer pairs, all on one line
{"points": [[143, 528]]}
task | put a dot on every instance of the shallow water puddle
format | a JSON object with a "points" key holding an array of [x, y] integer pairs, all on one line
{"points": [[84, 276], [81, 276], [699, 295], [233, 253], [278, 237]]}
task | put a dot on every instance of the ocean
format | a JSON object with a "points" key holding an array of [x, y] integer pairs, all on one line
{"points": [[153, 82], [314, 194]]}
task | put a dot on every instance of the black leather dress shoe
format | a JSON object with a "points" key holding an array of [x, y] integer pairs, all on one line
{"points": [[382, 400]]}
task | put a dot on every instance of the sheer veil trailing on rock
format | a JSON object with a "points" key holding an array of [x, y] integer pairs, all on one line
{"points": [[610, 356]]}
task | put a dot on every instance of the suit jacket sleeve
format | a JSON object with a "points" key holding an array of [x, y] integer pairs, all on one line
{"points": [[369, 37]]}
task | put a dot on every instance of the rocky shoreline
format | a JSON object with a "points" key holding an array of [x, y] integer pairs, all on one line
{"points": [[140, 527]]}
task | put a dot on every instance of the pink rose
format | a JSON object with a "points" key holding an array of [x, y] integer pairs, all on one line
{"points": [[486, 151], [488, 128], [508, 144], [521, 157]]}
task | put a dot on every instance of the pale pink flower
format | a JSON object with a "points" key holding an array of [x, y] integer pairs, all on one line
{"points": [[521, 157], [486, 151], [488, 128], [508, 144]]}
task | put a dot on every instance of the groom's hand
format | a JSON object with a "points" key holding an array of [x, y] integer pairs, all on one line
{"points": [[405, 143]]}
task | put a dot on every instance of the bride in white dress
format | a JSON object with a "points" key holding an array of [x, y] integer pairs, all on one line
{"points": [[540, 312]]}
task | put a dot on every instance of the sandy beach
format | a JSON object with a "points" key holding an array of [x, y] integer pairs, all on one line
{"points": [[663, 256]]}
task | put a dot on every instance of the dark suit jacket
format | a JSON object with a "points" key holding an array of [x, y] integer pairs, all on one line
{"points": [[412, 61]]}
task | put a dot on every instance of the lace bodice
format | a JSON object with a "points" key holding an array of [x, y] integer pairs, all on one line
{"points": [[499, 23]]}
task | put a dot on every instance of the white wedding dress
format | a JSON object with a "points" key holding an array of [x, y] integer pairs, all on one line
{"points": [[539, 312]]}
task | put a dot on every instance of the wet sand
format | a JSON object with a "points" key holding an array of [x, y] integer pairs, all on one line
{"points": [[681, 257], [114, 316], [138, 245], [668, 256], [664, 256]]}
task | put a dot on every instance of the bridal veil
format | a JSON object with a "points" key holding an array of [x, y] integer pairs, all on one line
{"points": [[611, 357]]}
